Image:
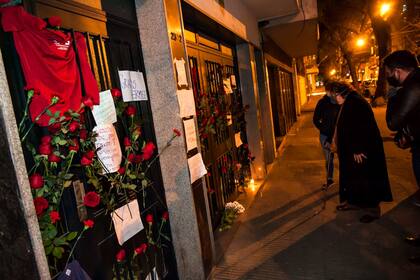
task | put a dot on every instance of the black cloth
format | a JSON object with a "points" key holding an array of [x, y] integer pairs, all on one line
{"points": [[74, 271], [325, 116], [365, 184], [403, 111]]}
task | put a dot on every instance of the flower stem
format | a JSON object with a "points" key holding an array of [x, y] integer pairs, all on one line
{"points": [[74, 246]]}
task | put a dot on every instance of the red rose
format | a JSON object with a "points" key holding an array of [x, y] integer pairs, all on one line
{"points": [[46, 139], [75, 146], [115, 92], [40, 205], [224, 170], [177, 132], [149, 219], [127, 142], [131, 158], [120, 255], [88, 224], [85, 161], [141, 249], [45, 149], [54, 21], [53, 158], [130, 110], [121, 170], [165, 215], [73, 126], [246, 146], [54, 128], [54, 216], [88, 102], [90, 154], [91, 199], [83, 134], [148, 150], [36, 181], [138, 159]]}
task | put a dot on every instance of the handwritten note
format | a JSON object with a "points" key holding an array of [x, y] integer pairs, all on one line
{"points": [[127, 221], [104, 113], [227, 86], [186, 103], [238, 140], [108, 146], [233, 80], [133, 87], [197, 167], [190, 134], [181, 73]]}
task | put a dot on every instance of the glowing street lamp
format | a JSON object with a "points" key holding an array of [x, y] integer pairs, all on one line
{"points": [[360, 42], [384, 9]]}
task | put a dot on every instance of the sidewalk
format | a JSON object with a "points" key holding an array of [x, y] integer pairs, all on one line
{"points": [[286, 234]]}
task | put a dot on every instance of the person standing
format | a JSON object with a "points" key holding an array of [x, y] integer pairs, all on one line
{"points": [[403, 111], [364, 179], [324, 119]]}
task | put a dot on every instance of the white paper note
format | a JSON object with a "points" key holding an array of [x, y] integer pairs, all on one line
{"points": [[127, 221], [186, 103], [233, 80], [104, 113], [154, 273], [227, 86], [133, 87], [190, 134], [238, 141], [181, 73], [197, 167], [108, 147]]}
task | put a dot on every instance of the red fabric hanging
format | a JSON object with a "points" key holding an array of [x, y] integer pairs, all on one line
{"points": [[49, 63]]}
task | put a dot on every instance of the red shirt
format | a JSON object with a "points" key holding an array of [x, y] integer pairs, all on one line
{"points": [[49, 63]]}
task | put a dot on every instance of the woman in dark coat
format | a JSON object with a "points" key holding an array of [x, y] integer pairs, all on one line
{"points": [[364, 179]]}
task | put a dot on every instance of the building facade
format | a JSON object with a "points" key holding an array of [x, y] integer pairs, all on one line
{"points": [[240, 62]]}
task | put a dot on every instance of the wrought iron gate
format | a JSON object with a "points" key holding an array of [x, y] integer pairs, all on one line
{"points": [[220, 116]]}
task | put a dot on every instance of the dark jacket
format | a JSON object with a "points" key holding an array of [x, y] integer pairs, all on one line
{"points": [[403, 111], [364, 184], [325, 116]]}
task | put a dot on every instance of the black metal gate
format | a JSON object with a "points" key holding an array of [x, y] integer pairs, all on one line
{"points": [[220, 116], [118, 49]]}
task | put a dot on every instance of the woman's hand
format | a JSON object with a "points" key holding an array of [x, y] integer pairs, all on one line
{"points": [[359, 157]]}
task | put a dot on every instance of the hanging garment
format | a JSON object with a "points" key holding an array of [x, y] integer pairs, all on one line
{"points": [[49, 63]]}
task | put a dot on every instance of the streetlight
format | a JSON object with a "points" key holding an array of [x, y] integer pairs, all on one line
{"points": [[360, 42], [333, 72], [384, 9]]}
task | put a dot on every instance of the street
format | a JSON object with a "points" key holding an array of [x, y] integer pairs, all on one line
{"points": [[286, 234]]}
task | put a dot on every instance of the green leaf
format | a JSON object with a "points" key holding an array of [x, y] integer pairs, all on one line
{"points": [[58, 252], [51, 232], [48, 249], [71, 235], [68, 176], [62, 142], [57, 114], [75, 115], [67, 184], [132, 176], [60, 242], [49, 113], [130, 186], [51, 121]]}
